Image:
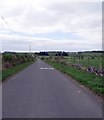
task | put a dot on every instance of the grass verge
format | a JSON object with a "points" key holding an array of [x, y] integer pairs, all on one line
{"points": [[91, 81], [11, 71]]}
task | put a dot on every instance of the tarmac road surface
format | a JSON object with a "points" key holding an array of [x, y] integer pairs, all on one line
{"points": [[40, 91]]}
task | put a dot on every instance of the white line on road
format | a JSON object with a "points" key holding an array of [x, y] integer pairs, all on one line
{"points": [[44, 68], [78, 91]]}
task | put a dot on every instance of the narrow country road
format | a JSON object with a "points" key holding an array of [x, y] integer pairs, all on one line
{"points": [[39, 91]]}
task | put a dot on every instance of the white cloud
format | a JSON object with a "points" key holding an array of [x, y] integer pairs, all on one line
{"points": [[84, 19], [18, 43]]}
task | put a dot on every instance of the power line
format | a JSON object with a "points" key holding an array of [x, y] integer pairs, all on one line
{"points": [[7, 24], [4, 20], [12, 30]]}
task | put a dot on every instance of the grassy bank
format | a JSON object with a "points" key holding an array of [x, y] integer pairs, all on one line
{"points": [[13, 70], [92, 81]]}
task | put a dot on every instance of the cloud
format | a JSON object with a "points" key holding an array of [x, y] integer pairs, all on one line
{"points": [[35, 22], [18, 43]]}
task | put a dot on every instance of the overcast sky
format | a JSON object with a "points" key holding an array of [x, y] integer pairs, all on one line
{"points": [[48, 25]]}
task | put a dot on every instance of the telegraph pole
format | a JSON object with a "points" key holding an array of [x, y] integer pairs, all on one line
{"points": [[30, 49]]}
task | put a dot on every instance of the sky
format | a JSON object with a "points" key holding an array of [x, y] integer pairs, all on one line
{"points": [[50, 25]]}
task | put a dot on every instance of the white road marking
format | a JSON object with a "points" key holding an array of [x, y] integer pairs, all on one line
{"points": [[51, 68], [78, 91], [45, 68]]}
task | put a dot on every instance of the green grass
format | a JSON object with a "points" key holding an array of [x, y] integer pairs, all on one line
{"points": [[96, 62], [11, 71], [92, 81]]}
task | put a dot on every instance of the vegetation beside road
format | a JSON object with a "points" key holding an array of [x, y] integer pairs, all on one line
{"points": [[75, 65], [92, 81], [13, 70], [14, 62]]}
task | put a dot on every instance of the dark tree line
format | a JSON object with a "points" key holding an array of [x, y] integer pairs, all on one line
{"points": [[62, 54], [56, 54], [42, 53]]}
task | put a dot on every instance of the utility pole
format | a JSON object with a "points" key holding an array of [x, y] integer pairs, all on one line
{"points": [[30, 49]]}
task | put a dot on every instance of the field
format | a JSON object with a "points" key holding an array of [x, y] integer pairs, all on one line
{"points": [[66, 65], [86, 60]]}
